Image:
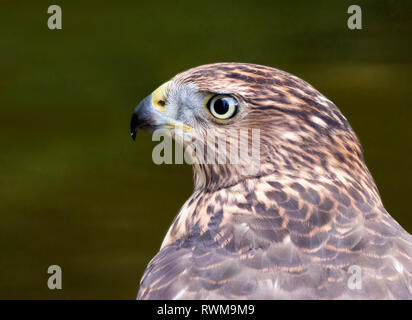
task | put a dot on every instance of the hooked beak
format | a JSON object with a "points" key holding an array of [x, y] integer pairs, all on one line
{"points": [[142, 116]]}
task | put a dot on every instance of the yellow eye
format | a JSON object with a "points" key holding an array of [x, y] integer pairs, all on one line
{"points": [[223, 107]]}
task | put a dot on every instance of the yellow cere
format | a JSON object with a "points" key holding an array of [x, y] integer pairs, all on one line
{"points": [[159, 97]]}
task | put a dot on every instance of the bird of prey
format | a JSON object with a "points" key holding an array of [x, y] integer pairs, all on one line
{"points": [[308, 224]]}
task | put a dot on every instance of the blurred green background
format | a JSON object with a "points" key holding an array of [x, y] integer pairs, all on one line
{"points": [[77, 192]]}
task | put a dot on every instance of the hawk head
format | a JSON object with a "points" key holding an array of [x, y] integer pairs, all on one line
{"points": [[301, 133]]}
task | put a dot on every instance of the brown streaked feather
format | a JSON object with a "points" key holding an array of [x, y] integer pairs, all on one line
{"points": [[293, 230], [286, 250]]}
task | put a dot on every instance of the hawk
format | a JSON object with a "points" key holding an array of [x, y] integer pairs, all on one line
{"points": [[307, 224]]}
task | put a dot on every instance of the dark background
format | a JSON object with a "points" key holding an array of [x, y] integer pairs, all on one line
{"points": [[77, 192]]}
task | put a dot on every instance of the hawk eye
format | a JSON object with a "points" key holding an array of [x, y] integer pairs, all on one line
{"points": [[223, 107]]}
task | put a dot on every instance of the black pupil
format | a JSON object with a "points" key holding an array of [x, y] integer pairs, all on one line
{"points": [[221, 106]]}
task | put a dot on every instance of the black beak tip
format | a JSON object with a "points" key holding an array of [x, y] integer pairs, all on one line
{"points": [[133, 134], [133, 126]]}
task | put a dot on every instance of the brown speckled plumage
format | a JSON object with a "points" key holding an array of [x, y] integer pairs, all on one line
{"points": [[293, 229]]}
